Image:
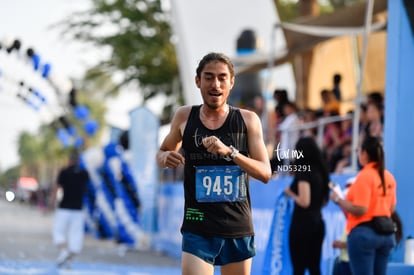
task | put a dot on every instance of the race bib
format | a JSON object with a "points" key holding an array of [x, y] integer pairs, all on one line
{"points": [[220, 183]]}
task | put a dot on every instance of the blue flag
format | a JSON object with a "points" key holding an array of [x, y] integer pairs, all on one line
{"points": [[277, 257]]}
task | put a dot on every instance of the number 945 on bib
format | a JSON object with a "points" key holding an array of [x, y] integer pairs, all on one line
{"points": [[220, 183]]}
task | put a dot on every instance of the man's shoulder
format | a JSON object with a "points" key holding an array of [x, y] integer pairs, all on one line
{"points": [[74, 169], [185, 108], [64, 169], [245, 112], [249, 117], [183, 112]]}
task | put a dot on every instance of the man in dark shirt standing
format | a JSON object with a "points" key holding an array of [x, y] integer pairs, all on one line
{"points": [[69, 223]]}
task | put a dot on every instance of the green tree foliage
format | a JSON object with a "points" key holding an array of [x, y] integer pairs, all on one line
{"points": [[29, 147], [288, 10], [138, 35], [9, 177], [39, 151], [343, 3]]}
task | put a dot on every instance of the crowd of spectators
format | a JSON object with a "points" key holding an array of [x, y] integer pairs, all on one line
{"points": [[288, 123]]}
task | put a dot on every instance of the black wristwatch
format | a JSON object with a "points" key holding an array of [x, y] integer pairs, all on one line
{"points": [[233, 153]]}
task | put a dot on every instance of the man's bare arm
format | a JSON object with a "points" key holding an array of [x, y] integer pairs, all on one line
{"points": [[168, 156]]}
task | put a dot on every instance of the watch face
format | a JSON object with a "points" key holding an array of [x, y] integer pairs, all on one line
{"points": [[234, 152], [228, 158], [231, 156]]}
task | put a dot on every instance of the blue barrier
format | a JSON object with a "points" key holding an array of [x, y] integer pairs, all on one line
{"points": [[170, 205], [276, 256]]}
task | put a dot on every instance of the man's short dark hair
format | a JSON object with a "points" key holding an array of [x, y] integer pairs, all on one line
{"points": [[214, 57]]}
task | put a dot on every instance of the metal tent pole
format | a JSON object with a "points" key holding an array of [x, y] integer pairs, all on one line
{"points": [[355, 132], [268, 83]]}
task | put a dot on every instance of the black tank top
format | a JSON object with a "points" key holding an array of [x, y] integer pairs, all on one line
{"points": [[220, 219]]}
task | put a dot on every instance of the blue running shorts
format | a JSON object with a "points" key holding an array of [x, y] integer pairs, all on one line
{"points": [[217, 250]]}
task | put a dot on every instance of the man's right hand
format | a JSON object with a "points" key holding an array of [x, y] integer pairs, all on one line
{"points": [[172, 159]]}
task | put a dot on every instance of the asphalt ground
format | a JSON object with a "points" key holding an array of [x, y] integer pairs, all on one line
{"points": [[26, 248]]}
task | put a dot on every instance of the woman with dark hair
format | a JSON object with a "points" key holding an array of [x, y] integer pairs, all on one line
{"points": [[372, 197], [310, 191], [375, 120]]}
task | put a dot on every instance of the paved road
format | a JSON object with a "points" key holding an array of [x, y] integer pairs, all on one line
{"points": [[26, 248]]}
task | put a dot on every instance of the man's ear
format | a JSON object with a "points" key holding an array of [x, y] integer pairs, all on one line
{"points": [[232, 82], [197, 81]]}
